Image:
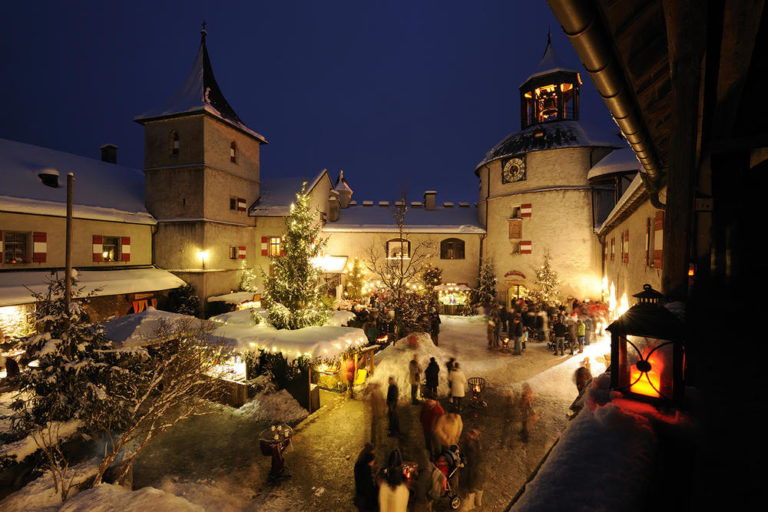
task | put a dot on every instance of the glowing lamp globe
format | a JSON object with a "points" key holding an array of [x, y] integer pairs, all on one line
{"points": [[648, 351]]}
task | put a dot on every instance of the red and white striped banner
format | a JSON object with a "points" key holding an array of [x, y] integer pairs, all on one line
{"points": [[526, 247], [241, 252], [241, 206], [525, 210]]}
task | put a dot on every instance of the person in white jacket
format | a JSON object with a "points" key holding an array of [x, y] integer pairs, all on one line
{"points": [[458, 385]]}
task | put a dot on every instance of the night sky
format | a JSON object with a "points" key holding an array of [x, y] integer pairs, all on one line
{"points": [[402, 95]]}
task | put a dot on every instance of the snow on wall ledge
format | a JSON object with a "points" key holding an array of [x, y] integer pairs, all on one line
{"points": [[603, 461]]}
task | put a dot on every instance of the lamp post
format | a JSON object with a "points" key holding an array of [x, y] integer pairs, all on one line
{"points": [[50, 178]]}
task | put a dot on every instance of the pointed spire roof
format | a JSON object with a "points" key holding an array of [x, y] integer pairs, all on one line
{"points": [[341, 183], [199, 93], [550, 62]]}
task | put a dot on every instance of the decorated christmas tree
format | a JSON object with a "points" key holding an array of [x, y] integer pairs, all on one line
{"points": [[292, 289], [546, 288], [355, 273], [485, 293]]}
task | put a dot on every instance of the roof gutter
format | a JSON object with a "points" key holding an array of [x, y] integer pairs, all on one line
{"points": [[592, 42]]}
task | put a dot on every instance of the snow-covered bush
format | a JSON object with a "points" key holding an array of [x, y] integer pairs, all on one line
{"points": [[73, 377]]}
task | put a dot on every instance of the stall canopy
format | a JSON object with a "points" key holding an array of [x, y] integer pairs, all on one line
{"points": [[17, 287], [238, 330]]}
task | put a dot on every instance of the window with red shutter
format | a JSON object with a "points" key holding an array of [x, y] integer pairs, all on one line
{"points": [[658, 239]]}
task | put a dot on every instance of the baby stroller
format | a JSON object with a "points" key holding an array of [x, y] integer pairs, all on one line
{"points": [[449, 462]]}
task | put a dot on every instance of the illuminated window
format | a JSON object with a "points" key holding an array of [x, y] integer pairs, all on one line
{"points": [[275, 246], [110, 248], [233, 152], [15, 247], [398, 248], [452, 249]]}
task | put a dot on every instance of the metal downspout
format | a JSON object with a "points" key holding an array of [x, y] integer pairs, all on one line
{"points": [[592, 42]]}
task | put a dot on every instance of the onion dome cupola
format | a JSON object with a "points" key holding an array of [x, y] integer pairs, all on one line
{"points": [[200, 93], [551, 93]]}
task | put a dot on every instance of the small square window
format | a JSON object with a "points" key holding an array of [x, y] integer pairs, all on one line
{"points": [[110, 248], [15, 248]]}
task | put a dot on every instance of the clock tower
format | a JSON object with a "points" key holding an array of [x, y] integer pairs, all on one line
{"points": [[535, 198]]}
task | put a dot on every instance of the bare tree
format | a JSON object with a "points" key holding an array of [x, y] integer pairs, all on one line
{"points": [[178, 381], [400, 269]]}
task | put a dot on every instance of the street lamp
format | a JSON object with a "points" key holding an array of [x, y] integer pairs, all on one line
{"points": [[50, 178], [203, 255]]}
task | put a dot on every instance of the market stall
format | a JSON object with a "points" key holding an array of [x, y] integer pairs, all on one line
{"points": [[453, 298]]}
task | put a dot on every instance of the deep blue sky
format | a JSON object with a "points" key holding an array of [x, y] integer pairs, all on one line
{"points": [[400, 94]]}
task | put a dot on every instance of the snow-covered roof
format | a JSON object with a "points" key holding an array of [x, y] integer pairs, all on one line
{"points": [[619, 161], [17, 287], [277, 194], [234, 297], [417, 220], [101, 190], [200, 93], [139, 329], [239, 331], [635, 193], [552, 135], [550, 63]]}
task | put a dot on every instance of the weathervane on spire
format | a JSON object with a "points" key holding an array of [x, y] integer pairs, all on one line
{"points": [[204, 32]]}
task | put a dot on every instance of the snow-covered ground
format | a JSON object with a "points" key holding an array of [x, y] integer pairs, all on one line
{"points": [[213, 462]]}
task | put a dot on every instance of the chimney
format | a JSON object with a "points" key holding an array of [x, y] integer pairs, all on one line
{"points": [[109, 153], [333, 206], [429, 199]]}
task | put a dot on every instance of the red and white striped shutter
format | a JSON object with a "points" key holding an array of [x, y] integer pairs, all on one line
{"points": [[241, 204], [1, 248], [658, 239], [647, 240], [613, 248], [526, 247], [264, 245], [625, 256], [605, 250], [125, 248], [241, 252], [39, 247], [525, 210], [98, 248]]}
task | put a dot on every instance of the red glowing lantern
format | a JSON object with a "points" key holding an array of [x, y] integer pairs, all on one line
{"points": [[647, 351]]}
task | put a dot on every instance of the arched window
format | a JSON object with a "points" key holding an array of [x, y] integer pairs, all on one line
{"points": [[233, 152], [174, 142], [452, 249], [398, 248]]}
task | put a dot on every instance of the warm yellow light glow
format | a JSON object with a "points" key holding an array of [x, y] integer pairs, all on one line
{"points": [[202, 255], [649, 380]]}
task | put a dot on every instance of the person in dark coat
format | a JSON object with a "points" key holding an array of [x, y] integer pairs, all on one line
{"points": [[430, 411], [434, 325], [473, 451], [392, 397], [366, 492], [432, 373]]}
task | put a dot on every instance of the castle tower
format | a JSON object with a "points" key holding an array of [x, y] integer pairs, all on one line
{"points": [[534, 196], [201, 166]]}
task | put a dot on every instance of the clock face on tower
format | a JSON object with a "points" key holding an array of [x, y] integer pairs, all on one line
{"points": [[513, 170]]}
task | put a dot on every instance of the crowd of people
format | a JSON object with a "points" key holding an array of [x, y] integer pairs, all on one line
{"points": [[568, 326], [448, 452]]}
